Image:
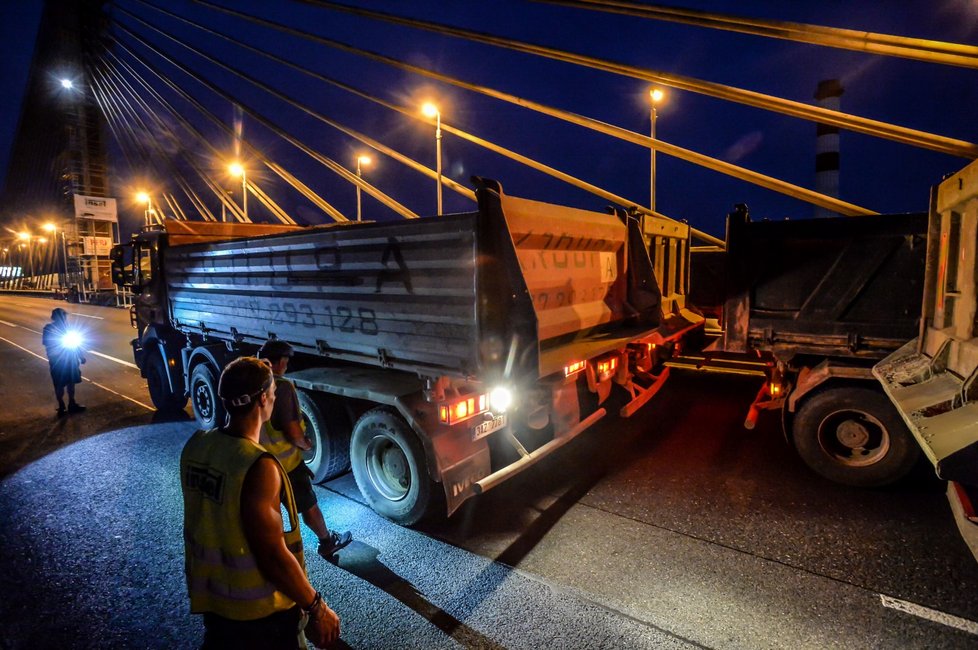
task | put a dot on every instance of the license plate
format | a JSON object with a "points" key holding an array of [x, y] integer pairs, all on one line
{"points": [[485, 428]]}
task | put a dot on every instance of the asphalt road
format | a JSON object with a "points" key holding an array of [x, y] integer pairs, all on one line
{"points": [[676, 528]]}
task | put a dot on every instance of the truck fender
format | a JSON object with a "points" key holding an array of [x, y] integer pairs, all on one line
{"points": [[216, 354], [162, 342], [810, 378]]}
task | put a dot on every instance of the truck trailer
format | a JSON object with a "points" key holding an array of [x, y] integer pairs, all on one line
{"points": [[436, 357], [811, 305]]}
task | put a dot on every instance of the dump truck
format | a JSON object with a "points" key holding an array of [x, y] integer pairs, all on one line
{"points": [[932, 378], [436, 357], [811, 305]]}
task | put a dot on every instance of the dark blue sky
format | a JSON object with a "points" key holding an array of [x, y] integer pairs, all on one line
{"points": [[877, 174]]}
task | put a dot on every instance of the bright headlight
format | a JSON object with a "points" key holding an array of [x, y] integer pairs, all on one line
{"points": [[500, 399], [71, 340]]}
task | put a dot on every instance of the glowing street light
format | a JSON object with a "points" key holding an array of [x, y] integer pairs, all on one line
{"points": [[53, 229], [237, 169], [67, 84], [431, 111], [364, 161], [655, 95], [144, 197]]}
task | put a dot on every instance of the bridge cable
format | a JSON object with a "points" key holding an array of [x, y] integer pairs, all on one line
{"points": [[920, 49], [277, 211], [593, 189], [335, 214], [115, 115], [363, 138], [328, 162], [708, 162], [383, 198], [312, 196], [801, 110], [178, 175], [216, 189]]}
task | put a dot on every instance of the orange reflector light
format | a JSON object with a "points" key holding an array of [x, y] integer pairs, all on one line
{"points": [[574, 368], [607, 366], [774, 389], [463, 409]]}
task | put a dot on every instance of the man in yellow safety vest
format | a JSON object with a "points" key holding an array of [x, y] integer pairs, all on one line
{"points": [[245, 568], [284, 435]]}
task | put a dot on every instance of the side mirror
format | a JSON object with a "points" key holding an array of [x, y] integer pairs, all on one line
{"points": [[120, 275]]}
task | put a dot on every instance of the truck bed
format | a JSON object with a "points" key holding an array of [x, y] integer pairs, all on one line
{"points": [[846, 287], [515, 287]]}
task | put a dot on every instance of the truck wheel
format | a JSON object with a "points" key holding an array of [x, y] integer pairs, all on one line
{"points": [[208, 408], [390, 467], [854, 436], [329, 430], [165, 400]]}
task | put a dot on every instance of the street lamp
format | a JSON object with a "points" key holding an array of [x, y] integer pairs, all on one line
{"points": [[26, 236], [144, 197], [237, 169], [67, 84], [655, 95], [365, 161], [53, 229], [430, 110]]}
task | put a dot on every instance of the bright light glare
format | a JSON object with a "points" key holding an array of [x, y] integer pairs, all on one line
{"points": [[236, 169], [364, 160], [49, 227], [142, 197], [24, 236], [656, 95], [500, 399], [429, 110], [42, 240], [67, 84], [71, 340]]}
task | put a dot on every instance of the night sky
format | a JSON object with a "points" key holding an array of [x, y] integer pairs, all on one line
{"points": [[877, 174]]}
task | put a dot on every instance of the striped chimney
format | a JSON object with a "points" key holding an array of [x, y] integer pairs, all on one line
{"points": [[827, 145]]}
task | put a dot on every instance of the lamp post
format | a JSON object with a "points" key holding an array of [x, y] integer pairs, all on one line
{"points": [[53, 229], [237, 169], [365, 161], [655, 95], [26, 237], [430, 110], [144, 197]]}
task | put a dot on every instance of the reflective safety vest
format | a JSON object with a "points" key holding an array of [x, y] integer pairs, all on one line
{"points": [[222, 573], [279, 444]]}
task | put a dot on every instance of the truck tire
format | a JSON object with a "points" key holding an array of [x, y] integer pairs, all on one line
{"points": [[165, 400], [854, 436], [208, 408], [390, 468], [328, 427]]}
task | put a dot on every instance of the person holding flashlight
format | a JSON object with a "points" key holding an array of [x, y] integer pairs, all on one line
{"points": [[63, 346]]}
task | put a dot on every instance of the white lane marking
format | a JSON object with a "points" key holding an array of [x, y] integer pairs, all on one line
{"points": [[149, 408], [135, 401], [75, 313], [105, 356], [929, 614], [24, 349], [19, 326]]}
